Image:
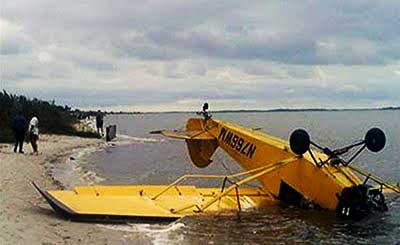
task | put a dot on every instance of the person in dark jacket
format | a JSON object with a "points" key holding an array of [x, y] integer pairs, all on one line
{"points": [[20, 125], [99, 122]]}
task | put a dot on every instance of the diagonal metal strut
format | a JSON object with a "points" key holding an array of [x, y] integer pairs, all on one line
{"points": [[261, 172]]}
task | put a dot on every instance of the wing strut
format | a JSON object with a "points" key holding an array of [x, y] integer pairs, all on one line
{"points": [[375, 178], [256, 173]]}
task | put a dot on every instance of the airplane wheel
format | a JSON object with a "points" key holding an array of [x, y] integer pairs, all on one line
{"points": [[375, 139], [299, 141]]}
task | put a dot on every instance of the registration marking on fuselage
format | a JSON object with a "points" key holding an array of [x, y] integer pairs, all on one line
{"points": [[237, 143]]}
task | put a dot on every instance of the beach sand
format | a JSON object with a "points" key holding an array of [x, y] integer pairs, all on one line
{"points": [[25, 216]]}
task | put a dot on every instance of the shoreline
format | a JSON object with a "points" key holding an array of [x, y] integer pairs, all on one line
{"points": [[26, 218], [68, 169]]}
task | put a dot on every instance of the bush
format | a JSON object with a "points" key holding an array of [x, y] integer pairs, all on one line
{"points": [[53, 118]]}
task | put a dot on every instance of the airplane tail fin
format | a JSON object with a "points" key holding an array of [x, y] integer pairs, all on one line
{"points": [[201, 144]]}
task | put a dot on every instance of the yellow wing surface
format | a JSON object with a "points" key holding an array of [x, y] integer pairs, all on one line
{"points": [[127, 202]]}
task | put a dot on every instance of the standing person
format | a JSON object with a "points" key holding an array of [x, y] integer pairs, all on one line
{"points": [[99, 122], [206, 114], [20, 125], [34, 134]]}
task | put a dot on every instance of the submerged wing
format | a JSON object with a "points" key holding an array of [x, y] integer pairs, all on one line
{"points": [[114, 203]]}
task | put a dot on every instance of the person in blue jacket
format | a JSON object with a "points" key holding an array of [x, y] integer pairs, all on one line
{"points": [[20, 125]]}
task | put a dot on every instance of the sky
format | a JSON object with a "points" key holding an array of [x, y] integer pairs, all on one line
{"points": [[157, 55]]}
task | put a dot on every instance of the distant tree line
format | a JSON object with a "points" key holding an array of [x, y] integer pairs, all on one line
{"points": [[53, 119]]}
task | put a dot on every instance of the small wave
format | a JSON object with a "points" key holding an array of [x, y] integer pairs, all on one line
{"points": [[88, 177], [91, 177], [159, 228], [72, 172], [127, 139], [159, 234]]}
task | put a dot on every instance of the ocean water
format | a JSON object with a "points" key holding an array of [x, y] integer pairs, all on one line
{"points": [[151, 159]]}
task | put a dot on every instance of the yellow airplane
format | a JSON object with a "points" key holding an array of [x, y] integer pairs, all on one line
{"points": [[289, 172]]}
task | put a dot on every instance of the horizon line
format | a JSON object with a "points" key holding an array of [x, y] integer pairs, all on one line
{"points": [[388, 108]]}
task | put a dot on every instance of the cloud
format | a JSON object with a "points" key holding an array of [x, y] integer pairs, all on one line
{"points": [[289, 33], [155, 52], [13, 40]]}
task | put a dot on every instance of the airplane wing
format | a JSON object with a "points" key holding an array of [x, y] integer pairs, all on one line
{"points": [[150, 202]]}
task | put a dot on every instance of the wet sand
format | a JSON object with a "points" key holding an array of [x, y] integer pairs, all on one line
{"points": [[25, 217]]}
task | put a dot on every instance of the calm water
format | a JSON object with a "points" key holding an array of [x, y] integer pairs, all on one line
{"points": [[163, 160]]}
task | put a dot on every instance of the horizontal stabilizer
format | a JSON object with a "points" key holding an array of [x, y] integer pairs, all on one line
{"points": [[186, 135]]}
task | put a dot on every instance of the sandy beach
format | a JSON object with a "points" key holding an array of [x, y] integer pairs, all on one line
{"points": [[25, 216]]}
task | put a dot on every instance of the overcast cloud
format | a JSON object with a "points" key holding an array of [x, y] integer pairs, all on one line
{"points": [[173, 55]]}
